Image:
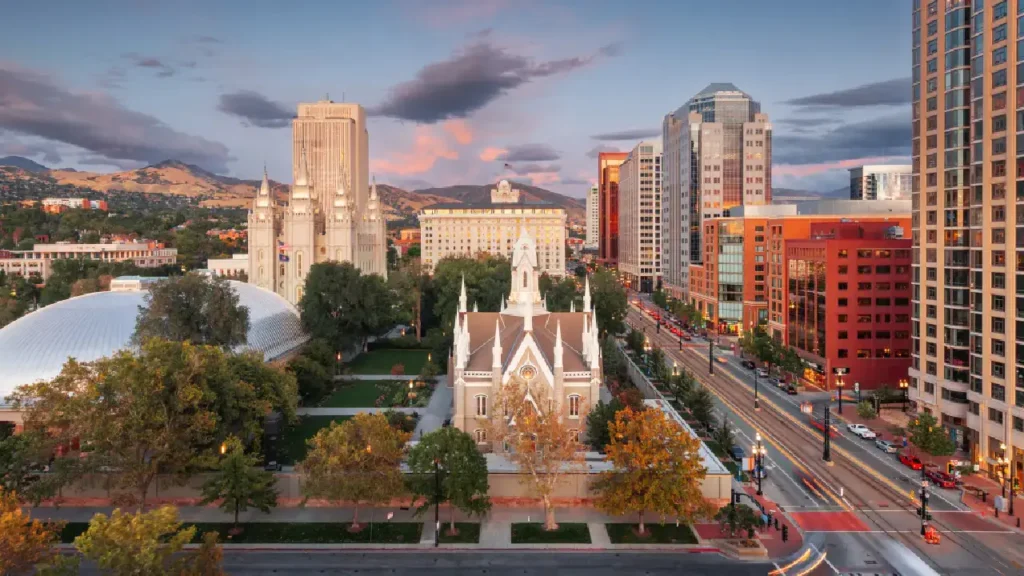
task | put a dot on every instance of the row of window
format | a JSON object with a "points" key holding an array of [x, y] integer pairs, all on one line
{"points": [[480, 401]]}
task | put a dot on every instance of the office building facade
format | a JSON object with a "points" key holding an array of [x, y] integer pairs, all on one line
{"points": [[608, 188], [639, 259], [593, 218], [891, 182]]}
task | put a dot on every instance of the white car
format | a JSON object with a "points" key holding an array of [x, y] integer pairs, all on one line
{"points": [[762, 373], [862, 431]]}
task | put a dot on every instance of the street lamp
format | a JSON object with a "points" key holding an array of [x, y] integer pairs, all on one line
{"points": [[839, 384], [337, 364], [826, 451], [924, 506], [904, 386], [757, 405], [759, 454], [437, 501], [410, 392]]}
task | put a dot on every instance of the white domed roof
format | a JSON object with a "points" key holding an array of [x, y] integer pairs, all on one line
{"points": [[96, 325]]}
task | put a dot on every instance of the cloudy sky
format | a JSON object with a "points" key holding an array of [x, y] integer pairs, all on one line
{"points": [[456, 88]]}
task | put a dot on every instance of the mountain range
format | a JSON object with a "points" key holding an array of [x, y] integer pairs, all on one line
{"points": [[179, 178]]}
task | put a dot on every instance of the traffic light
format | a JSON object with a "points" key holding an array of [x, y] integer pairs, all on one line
{"points": [[785, 532], [736, 497]]}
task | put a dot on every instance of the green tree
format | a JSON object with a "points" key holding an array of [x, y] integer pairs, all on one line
{"points": [[656, 362], [239, 483], [23, 455], [314, 381], [356, 462], [343, 306], [613, 364], [681, 384], [598, 419], [454, 455], [408, 283], [253, 390], [660, 299], [580, 271], [560, 294], [487, 281], [193, 308], [147, 543], [791, 362], [737, 519], [866, 410], [609, 299], [635, 341], [723, 436], [925, 432], [701, 404]]}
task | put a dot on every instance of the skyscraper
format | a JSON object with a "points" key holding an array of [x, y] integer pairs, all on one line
{"points": [[336, 144], [640, 217], [608, 187], [968, 234], [717, 155], [593, 218], [890, 182]]}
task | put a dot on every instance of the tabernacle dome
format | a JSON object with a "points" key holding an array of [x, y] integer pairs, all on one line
{"points": [[93, 326]]}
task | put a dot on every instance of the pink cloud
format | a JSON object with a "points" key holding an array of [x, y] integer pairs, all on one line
{"points": [[460, 130], [541, 178], [490, 154], [427, 149], [801, 170], [451, 13]]}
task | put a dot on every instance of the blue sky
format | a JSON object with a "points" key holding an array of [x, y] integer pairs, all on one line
{"points": [[458, 88]]}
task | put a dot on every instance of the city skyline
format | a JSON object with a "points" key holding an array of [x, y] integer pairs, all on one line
{"points": [[455, 92]]}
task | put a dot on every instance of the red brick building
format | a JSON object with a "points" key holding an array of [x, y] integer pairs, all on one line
{"points": [[847, 303]]}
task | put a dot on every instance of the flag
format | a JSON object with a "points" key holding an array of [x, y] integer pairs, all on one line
{"points": [[281, 246], [283, 257]]}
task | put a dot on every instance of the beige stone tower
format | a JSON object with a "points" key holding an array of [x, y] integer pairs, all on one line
{"points": [[337, 147]]}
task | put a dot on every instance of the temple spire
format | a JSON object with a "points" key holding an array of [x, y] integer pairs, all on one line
{"points": [[302, 179], [586, 294], [558, 344], [462, 295], [496, 348]]}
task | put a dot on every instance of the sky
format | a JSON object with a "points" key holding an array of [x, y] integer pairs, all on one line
{"points": [[455, 89]]}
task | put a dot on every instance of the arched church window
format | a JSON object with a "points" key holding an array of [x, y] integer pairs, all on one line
{"points": [[298, 264], [298, 293], [480, 435], [261, 272], [261, 255], [524, 278]]}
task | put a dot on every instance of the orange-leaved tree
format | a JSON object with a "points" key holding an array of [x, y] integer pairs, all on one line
{"points": [[24, 543], [657, 469], [542, 441]]}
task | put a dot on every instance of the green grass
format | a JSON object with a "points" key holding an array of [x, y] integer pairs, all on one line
{"points": [[534, 533], [292, 445], [357, 394], [469, 533], [295, 533], [655, 534], [381, 361]]}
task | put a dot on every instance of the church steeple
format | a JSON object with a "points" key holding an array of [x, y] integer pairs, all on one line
{"points": [[558, 344], [462, 295], [302, 178], [586, 294]]}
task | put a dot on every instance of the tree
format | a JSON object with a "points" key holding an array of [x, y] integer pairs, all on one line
{"points": [[723, 436], [613, 364], [454, 455], [701, 404], [559, 293], [681, 385], [656, 361], [355, 461], [253, 390], [737, 519], [24, 543], [408, 284], [866, 410], [23, 455], [313, 379], [660, 299], [193, 308], [147, 543], [239, 483], [598, 421], [635, 341], [487, 281], [791, 362], [925, 432], [343, 306], [580, 271], [658, 469], [543, 445], [609, 299]]}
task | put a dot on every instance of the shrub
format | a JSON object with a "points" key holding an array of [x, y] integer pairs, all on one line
{"points": [[866, 411]]}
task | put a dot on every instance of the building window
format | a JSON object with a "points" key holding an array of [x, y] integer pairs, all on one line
{"points": [[298, 294], [480, 435], [575, 434], [298, 264], [481, 405], [574, 406]]}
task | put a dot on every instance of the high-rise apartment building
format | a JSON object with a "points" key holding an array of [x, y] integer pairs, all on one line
{"points": [[640, 217], [718, 154], [889, 182], [608, 187], [593, 218], [968, 230], [337, 146]]}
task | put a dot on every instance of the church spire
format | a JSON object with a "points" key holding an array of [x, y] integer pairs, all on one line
{"points": [[462, 295], [302, 179], [373, 189], [586, 294], [496, 348], [475, 307], [558, 344]]}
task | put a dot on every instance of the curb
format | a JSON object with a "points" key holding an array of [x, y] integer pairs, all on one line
{"points": [[443, 548]]}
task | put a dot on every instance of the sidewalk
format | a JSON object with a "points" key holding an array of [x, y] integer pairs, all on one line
{"points": [[381, 377], [438, 409], [317, 411]]}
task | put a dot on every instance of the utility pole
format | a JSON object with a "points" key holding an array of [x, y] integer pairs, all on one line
{"points": [[924, 506], [437, 503], [826, 454], [757, 406], [711, 355]]}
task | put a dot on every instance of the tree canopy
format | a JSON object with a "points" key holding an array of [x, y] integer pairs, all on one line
{"points": [[238, 483], [925, 432], [193, 308], [453, 455], [560, 293], [609, 301], [25, 544], [345, 307]]}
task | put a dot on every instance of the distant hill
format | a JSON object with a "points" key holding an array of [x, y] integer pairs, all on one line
{"points": [[574, 207], [23, 163]]}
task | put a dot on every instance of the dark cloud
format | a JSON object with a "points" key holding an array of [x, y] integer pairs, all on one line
{"points": [[101, 161], [163, 69], [473, 77], [884, 136], [530, 153], [596, 150], [48, 150], [34, 104], [533, 168], [809, 121], [638, 134], [255, 109], [887, 93]]}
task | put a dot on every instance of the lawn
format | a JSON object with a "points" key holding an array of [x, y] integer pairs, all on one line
{"points": [[655, 534], [534, 533], [296, 533], [469, 533], [292, 445], [381, 361], [366, 393]]}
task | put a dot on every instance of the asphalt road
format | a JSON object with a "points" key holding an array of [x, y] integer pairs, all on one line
{"points": [[501, 563]]}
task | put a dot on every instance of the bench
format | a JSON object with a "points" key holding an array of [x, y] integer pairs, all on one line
{"points": [[977, 492]]}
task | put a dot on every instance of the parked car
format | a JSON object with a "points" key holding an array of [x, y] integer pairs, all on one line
{"points": [[862, 431], [272, 466], [940, 478], [791, 390], [912, 462], [737, 453], [748, 364], [762, 372], [886, 446], [776, 382]]}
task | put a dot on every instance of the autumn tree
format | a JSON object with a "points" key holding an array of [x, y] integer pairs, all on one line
{"points": [[193, 308], [147, 543], [657, 468], [453, 455], [542, 443], [239, 483], [25, 544], [355, 462]]}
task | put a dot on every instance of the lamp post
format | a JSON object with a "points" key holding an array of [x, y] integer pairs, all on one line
{"points": [[904, 387], [826, 452], [759, 454], [839, 384], [711, 355], [757, 405], [437, 502], [680, 338], [337, 364], [924, 506]]}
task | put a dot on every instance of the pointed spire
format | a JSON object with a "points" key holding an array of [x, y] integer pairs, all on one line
{"points": [[572, 306], [462, 295], [502, 302], [496, 356], [558, 344], [373, 189], [475, 308], [265, 184], [586, 294], [302, 179]]}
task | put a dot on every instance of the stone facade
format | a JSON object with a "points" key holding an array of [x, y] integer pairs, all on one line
{"points": [[557, 350]]}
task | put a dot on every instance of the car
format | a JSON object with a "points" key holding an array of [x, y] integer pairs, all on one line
{"points": [[748, 364], [762, 373], [776, 382], [940, 478], [862, 431], [737, 453], [886, 446], [791, 390], [912, 462], [686, 337], [272, 466]]}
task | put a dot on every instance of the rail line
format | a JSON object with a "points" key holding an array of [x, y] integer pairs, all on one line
{"points": [[775, 425]]}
